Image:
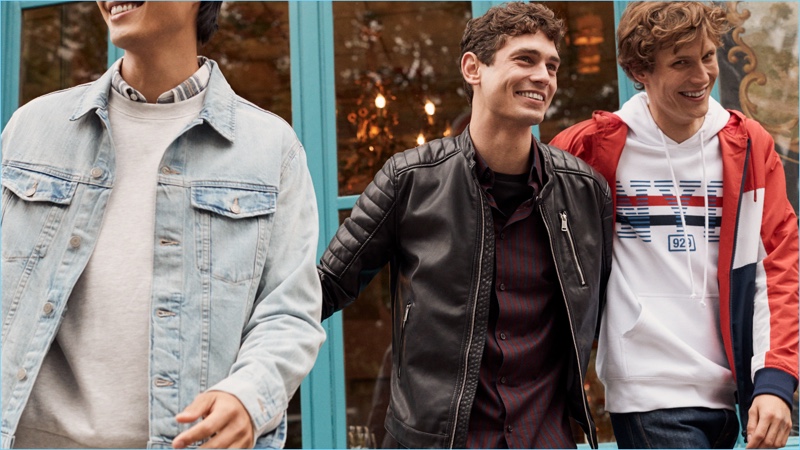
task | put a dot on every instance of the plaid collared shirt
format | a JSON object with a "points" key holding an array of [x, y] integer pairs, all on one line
{"points": [[184, 91]]}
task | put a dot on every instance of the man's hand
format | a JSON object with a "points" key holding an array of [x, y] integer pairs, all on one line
{"points": [[225, 421], [769, 423]]}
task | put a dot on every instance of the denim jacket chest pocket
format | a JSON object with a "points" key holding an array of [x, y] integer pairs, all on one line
{"points": [[42, 200], [232, 223]]}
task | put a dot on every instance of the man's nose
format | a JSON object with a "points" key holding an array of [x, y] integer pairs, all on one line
{"points": [[539, 74]]}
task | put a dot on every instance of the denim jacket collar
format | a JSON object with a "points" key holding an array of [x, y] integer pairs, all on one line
{"points": [[219, 106]]}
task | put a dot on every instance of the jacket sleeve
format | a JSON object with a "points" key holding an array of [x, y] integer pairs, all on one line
{"points": [[775, 320], [363, 244], [282, 336], [608, 239]]}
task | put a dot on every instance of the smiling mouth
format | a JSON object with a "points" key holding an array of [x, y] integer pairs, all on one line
{"points": [[532, 95], [124, 7], [695, 94]]}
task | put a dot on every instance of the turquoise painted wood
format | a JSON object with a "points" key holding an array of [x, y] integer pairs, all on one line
{"points": [[9, 58], [479, 8], [114, 53], [625, 85], [323, 398]]}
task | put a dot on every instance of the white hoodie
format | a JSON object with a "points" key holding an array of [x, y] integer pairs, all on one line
{"points": [[660, 343]]}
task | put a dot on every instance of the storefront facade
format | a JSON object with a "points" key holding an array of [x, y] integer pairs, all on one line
{"points": [[360, 81]]}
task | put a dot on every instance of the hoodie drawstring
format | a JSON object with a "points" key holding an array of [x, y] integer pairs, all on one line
{"points": [[683, 217]]}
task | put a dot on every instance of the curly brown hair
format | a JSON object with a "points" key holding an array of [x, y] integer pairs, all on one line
{"points": [[647, 27], [487, 34]]}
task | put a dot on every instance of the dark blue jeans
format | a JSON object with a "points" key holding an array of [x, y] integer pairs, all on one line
{"points": [[676, 428]]}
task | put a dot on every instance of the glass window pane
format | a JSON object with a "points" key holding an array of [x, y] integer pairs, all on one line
{"points": [[252, 49], [392, 59], [368, 363], [62, 46], [587, 77], [759, 75]]}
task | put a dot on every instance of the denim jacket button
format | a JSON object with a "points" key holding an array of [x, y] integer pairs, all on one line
{"points": [[22, 374], [31, 190], [97, 172], [75, 241], [48, 308], [235, 208], [165, 170]]}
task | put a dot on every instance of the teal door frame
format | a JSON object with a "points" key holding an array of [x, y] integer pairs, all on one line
{"points": [[323, 396]]}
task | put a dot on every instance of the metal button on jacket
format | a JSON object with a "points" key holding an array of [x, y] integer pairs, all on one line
{"points": [[97, 172], [75, 241]]}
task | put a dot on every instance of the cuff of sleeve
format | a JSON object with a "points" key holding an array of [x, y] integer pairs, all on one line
{"points": [[276, 437], [775, 382], [264, 412]]}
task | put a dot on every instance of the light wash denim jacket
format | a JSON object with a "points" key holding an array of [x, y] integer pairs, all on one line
{"points": [[236, 298]]}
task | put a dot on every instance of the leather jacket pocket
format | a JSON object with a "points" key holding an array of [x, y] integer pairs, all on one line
{"points": [[402, 346], [231, 223], [565, 228]]}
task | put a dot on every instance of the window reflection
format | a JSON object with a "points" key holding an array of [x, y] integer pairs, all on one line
{"points": [[587, 77], [398, 82], [252, 50], [62, 46], [759, 75]]}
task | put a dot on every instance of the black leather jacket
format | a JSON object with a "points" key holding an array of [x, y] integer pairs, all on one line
{"points": [[426, 215]]}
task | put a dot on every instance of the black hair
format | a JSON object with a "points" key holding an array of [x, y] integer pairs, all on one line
{"points": [[207, 21]]}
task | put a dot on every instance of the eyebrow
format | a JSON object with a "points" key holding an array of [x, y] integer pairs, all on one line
{"points": [[536, 52]]}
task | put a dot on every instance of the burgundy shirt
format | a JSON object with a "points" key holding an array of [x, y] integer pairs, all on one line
{"points": [[521, 397]]}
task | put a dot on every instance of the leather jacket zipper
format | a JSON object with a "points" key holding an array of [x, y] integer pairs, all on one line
{"points": [[565, 229], [472, 326], [402, 338], [545, 219]]}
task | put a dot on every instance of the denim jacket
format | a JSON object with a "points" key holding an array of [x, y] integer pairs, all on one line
{"points": [[236, 300]]}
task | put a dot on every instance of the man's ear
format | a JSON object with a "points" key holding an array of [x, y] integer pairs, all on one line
{"points": [[470, 68], [641, 77]]}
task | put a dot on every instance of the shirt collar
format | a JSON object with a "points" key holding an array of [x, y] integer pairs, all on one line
{"points": [[486, 174], [184, 91]]}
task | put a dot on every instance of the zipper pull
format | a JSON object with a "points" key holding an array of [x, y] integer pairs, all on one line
{"points": [[563, 215], [405, 316]]}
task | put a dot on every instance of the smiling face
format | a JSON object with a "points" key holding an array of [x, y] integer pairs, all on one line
{"points": [[519, 85], [144, 26], [679, 86]]}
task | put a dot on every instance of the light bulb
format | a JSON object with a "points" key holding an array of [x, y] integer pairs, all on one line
{"points": [[430, 108], [380, 101]]}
